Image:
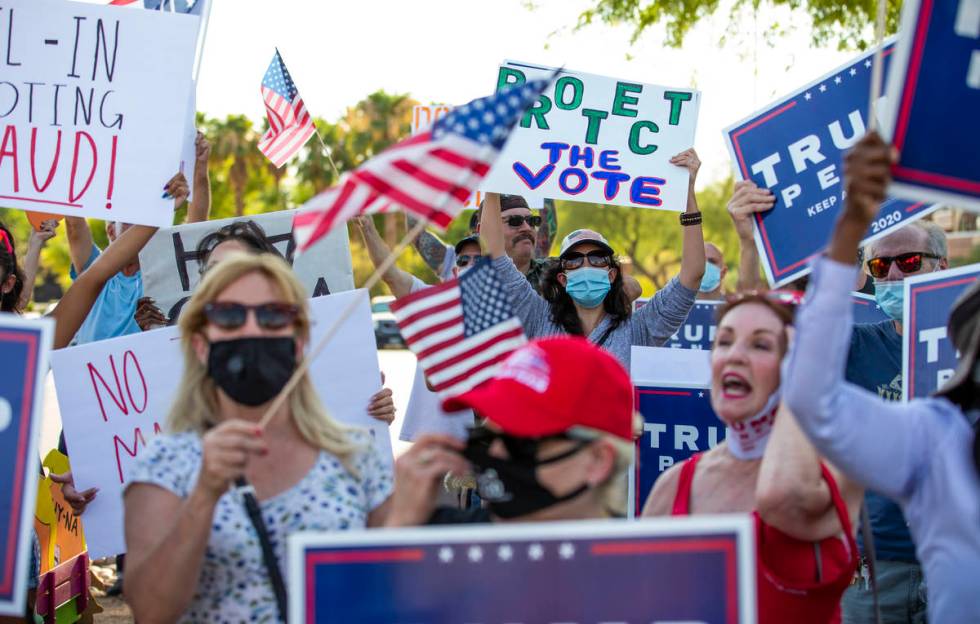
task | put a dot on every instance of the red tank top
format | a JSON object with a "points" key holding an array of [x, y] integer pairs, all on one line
{"points": [[800, 582]]}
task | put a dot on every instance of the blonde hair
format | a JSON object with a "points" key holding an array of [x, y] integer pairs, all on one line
{"points": [[613, 492], [196, 401]]}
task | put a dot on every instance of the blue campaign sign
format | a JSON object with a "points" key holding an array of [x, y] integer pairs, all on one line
{"points": [[795, 148], [935, 87], [929, 358], [24, 347], [694, 569], [698, 331], [866, 309]]}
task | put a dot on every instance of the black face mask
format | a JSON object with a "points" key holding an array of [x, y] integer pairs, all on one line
{"points": [[511, 486], [252, 371]]}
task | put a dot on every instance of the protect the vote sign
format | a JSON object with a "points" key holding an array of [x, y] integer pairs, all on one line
{"points": [[795, 148], [699, 569], [929, 358], [93, 107], [597, 139], [935, 87], [24, 347]]}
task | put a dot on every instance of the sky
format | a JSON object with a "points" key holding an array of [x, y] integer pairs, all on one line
{"points": [[448, 51]]}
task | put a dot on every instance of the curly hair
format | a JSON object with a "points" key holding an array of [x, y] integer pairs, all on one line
{"points": [[563, 312], [248, 232], [10, 301]]}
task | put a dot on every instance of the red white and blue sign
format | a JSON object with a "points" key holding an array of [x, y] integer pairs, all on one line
{"points": [[697, 569], [24, 347], [935, 87], [928, 356], [866, 310], [795, 148]]}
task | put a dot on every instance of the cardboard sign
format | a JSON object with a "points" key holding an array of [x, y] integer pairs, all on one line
{"points": [[928, 356], [59, 530], [696, 569], [171, 269], [24, 347], [93, 104], [423, 116], [795, 148], [115, 395], [935, 87], [597, 139]]}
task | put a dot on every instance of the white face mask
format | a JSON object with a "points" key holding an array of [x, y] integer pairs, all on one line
{"points": [[747, 439]]}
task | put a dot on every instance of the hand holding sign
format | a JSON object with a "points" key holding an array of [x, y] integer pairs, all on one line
{"points": [[225, 452], [866, 177], [748, 199]]}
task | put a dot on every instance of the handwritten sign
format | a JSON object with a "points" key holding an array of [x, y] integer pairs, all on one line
{"points": [[93, 107], [171, 268], [935, 85], [596, 139], [928, 356], [115, 395], [696, 569], [795, 147], [24, 346]]}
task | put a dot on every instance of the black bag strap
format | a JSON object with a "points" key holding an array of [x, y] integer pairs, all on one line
{"points": [[869, 555], [247, 493], [605, 335]]}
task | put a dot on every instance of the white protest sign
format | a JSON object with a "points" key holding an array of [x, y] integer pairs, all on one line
{"points": [[171, 271], [93, 103], [115, 395], [597, 139]]}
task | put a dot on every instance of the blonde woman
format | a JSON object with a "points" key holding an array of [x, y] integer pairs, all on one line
{"points": [[193, 552]]}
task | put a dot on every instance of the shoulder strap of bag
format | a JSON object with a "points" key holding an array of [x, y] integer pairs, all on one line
{"points": [[247, 493]]}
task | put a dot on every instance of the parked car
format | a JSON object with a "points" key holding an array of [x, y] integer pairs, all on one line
{"points": [[385, 329]]}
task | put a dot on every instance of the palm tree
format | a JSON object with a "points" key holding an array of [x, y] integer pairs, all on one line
{"points": [[234, 143]]}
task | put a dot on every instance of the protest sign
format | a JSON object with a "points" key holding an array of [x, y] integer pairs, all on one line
{"points": [[795, 148], [115, 395], [934, 85], [423, 116], [597, 139], [694, 569], [59, 529], [24, 347], [928, 356], [866, 309], [94, 106], [672, 395], [171, 269]]}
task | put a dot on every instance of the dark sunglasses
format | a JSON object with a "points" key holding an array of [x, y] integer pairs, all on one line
{"points": [[467, 259], [230, 315], [907, 263], [521, 449], [575, 259], [515, 221]]}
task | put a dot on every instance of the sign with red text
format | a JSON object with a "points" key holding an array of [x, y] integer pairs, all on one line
{"points": [[423, 116], [93, 108], [115, 394], [597, 139]]}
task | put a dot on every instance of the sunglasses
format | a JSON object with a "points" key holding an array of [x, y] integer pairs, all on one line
{"points": [[907, 263], [575, 259], [520, 449], [467, 259], [515, 221], [230, 315]]}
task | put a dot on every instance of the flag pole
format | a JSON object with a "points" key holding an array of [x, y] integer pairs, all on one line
{"points": [[203, 37], [326, 151], [877, 67], [344, 315]]}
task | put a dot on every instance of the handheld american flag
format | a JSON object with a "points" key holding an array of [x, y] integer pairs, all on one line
{"points": [[290, 124], [431, 174], [462, 330]]}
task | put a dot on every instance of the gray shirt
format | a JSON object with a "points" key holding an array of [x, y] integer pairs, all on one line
{"points": [[918, 453], [651, 326]]}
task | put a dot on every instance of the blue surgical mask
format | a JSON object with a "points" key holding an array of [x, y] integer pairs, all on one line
{"points": [[712, 277], [891, 298], [588, 286]]}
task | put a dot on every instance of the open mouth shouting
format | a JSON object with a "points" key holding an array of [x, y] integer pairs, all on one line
{"points": [[735, 386]]}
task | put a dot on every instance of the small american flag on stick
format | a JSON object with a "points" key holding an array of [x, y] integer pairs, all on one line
{"points": [[462, 330], [290, 124], [431, 174]]}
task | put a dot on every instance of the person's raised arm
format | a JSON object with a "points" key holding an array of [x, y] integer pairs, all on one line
{"points": [[200, 206], [492, 226], [746, 200], [32, 259], [431, 248], [692, 254], [80, 242], [398, 281]]}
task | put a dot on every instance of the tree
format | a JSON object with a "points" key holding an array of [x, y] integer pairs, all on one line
{"points": [[849, 23], [234, 145]]}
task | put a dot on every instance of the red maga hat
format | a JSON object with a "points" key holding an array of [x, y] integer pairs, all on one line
{"points": [[549, 386]]}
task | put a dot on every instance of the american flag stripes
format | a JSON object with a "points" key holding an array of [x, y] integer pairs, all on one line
{"points": [[290, 124], [462, 330], [431, 174]]}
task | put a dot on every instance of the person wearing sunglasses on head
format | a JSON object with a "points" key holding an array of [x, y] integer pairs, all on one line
{"points": [[923, 454], [192, 548]]}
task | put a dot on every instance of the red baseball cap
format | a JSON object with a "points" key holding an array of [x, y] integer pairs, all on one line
{"points": [[549, 386]]}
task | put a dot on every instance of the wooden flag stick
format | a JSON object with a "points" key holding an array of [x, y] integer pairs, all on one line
{"points": [[877, 67], [326, 150], [350, 309]]}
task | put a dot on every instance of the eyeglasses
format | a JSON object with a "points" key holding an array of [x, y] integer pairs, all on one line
{"points": [[522, 449], [515, 221], [907, 263], [467, 259], [231, 315], [575, 259]]}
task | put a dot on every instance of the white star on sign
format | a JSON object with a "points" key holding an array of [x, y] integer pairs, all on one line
{"points": [[566, 550], [823, 88], [535, 552], [475, 553], [445, 554], [837, 80], [505, 553], [853, 72], [807, 96], [867, 63], [700, 395]]}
